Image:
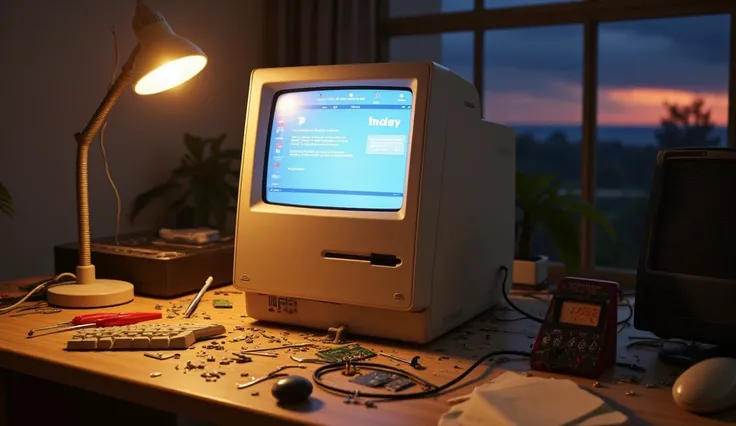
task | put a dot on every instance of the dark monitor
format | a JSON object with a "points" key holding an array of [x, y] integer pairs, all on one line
{"points": [[686, 280]]}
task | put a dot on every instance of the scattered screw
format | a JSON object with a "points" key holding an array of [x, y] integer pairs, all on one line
{"points": [[630, 393], [155, 374], [414, 362], [254, 393], [598, 385], [650, 385]]}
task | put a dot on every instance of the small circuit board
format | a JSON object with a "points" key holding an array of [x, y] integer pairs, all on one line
{"points": [[399, 384], [374, 379], [353, 352], [222, 304]]}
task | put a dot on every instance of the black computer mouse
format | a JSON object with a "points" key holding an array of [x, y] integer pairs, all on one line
{"points": [[292, 389]]}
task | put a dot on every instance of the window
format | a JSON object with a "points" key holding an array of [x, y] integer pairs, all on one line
{"points": [[589, 84], [453, 50], [644, 66], [496, 4], [532, 80], [399, 8]]}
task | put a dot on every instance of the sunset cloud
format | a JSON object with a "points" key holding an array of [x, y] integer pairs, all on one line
{"points": [[636, 106], [645, 106]]}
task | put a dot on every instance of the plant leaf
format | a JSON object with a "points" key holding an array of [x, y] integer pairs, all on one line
{"points": [[144, 199], [6, 201], [195, 146], [530, 190], [185, 218], [178, 204], [563, 230], [594, 215], [233, 191], [216, 143], [230, 154]]}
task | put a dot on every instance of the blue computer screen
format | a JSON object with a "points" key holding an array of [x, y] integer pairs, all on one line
{"points": [[339, 148]]}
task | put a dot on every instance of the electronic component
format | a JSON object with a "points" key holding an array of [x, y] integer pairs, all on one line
{"points": [[222, 304], [374, 379], [353, 352], [399, 384], [142, 336], [364, 151], [578, 335]]}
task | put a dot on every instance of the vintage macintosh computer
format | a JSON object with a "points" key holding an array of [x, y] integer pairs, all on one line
{"points": [[372, 196]]}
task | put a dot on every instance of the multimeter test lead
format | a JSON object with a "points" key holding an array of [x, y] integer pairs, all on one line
{"points": [[99, 320]]}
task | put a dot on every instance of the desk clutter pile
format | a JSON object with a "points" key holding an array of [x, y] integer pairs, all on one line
{"points": [[239, 353]]}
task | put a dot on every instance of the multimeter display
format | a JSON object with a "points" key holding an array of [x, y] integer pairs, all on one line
{"points": [[578, 313]]}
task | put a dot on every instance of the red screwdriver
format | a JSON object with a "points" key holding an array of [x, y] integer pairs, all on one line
{"points": [[102, 320]]}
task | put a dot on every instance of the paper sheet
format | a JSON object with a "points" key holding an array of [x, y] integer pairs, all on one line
{"points": [[513, 399]]}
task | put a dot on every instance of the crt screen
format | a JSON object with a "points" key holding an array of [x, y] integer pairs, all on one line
{"points": [[339, 148], [580, 313]]}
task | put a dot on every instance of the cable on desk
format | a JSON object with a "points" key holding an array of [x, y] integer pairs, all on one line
{"points": [[512, 304], [55, 280], [540, 320], [432, 390], [382, 397]]}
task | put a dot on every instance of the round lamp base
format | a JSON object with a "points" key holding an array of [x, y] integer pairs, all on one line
{"points": [[99, 294]]}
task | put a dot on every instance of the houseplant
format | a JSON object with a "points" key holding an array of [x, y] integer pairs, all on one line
{"points": [[6, 201], [543, 205], [205, 185]]}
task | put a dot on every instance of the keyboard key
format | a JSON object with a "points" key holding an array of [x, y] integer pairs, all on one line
{"points": [[143, 336]]}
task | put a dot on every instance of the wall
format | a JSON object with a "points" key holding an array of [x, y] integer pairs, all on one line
{"points": [[57, 59]]}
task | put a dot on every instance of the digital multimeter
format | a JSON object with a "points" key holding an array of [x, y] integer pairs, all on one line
{"points": [[578, 335]]}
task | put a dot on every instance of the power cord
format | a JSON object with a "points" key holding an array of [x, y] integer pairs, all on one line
{"points": [[540, 320], [102, 145], [512, 304], [58, 279], [382, 397]]}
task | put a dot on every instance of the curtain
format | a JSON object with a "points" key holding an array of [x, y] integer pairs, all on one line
{"points": [[321, 32]]}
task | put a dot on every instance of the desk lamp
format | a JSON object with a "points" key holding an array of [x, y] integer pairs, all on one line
{"points": [[160, 61]]}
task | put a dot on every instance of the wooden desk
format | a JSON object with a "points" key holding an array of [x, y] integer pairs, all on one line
{"points": [[126, 375]]}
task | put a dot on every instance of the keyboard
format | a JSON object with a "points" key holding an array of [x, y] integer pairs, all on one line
{"points": [[142, 336]]}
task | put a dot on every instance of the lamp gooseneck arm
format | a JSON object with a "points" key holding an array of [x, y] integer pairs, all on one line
{"points": [[85, 271]]}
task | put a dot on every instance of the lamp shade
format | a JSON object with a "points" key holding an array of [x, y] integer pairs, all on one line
{"points": [[166, 60]]}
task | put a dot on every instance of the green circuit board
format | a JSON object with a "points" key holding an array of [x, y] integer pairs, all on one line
{"points": [[353, 352]]}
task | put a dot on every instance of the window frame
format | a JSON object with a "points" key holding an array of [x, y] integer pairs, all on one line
{"points": [[589, 13]]}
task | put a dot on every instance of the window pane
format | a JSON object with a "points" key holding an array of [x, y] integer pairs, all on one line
{"points": [[401, 8], [453, 50], [497, 4], [533, 83], [643, 67]]}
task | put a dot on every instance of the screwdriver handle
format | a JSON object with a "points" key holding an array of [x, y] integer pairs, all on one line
{"points": [[91, 318], [128, 318]]}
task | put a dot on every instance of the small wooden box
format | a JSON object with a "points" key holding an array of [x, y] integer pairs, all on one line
{"points": [[154, 267]]}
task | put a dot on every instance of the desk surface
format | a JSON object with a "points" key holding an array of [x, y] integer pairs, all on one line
{"points": [[127, 375]]}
